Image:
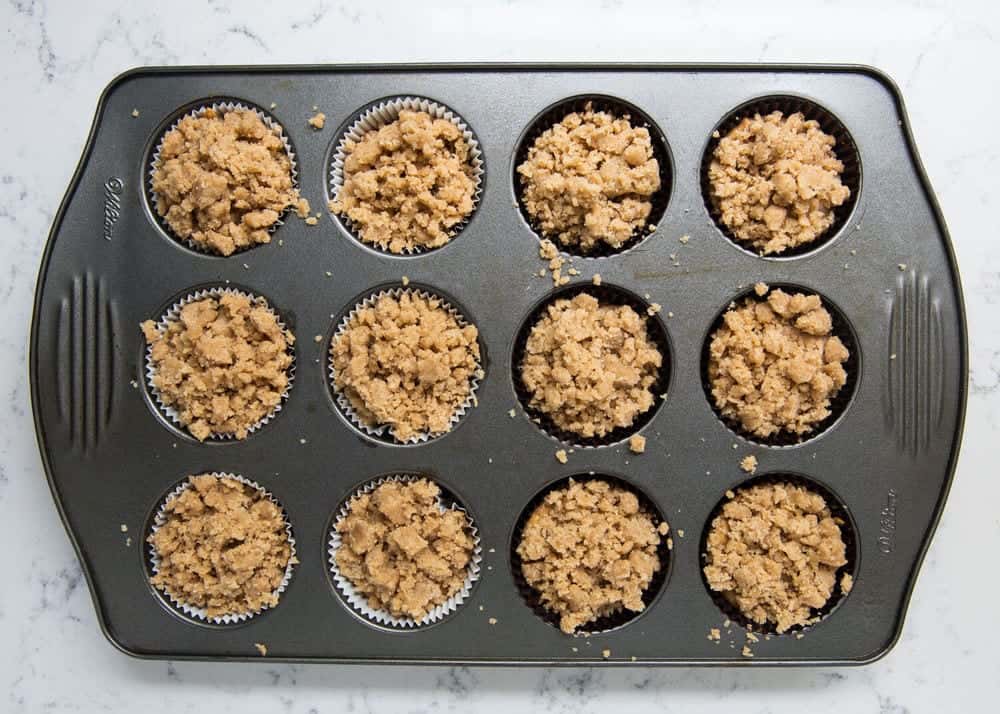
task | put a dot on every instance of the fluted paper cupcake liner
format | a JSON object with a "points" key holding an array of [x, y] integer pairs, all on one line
{"points": [[845, 149], [198, 613], [359, 602], [838, 402], [607, 294], [618, 109], [383, 431], [172, 314], [837, 509], [620, 617], [221, 107], [383, 113]]}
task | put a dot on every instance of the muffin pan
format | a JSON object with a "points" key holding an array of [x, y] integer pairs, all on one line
{"points": [[887, 458]]}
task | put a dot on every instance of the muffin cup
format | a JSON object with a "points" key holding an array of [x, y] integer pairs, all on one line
{"points": [[837, 510], [383, 432], [197, 613], [385, 112], [845, 150], [222, 107], [173, 313], [359, 603], [838, 403], [606, 294], [617, 108], [617, 619]]}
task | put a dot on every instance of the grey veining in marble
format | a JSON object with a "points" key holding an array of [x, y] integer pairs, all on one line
{"points": [[58, 55]]}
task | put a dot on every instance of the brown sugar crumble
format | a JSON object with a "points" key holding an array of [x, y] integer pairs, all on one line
{"points": [[561, 456], [590, 367], [407, 184], [749, 463], [773, 552], [589, 550], [317, 121], [261, 648], [775, 181], [223, 364], [222, 180], [402, 551], [588, 180], [774, 365], [406, 362], [223, 547], [637, 444]]}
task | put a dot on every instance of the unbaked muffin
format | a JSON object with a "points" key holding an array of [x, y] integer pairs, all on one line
{"points": [[221, 548], [221, 364], [402, 551], [588, 181], [774, 365], [774, 553], [775, 181], [589, 550], [222, 179], [590, 367], [405, 361], [409, 184]]}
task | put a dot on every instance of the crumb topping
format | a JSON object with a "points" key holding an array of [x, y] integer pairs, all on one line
{"points": [[589, 178], [223, 179], [406, 362], [223, 547], [774, 552], [407, 184], [637, 444], [402, 550], [775, 181], [774, 365], [223, 364], [589, 550], [590, 367]]}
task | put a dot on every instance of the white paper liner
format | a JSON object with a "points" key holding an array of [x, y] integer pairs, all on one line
{"points": [[386, 112], [221, 107], [199, 613], [381, 617], [172, 314], [383, 431]]}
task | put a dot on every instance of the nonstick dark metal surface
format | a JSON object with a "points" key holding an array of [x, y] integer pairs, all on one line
{"points": [[110, 456]]}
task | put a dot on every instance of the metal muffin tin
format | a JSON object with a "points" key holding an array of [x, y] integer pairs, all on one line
{"points": [[111, 457]]}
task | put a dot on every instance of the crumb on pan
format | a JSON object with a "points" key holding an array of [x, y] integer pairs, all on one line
{"points": [[775, 181], [774, 552], [317, 121], [589, 178], [401, 550], [406, 362], [222, 364], [774, 365], [408, 183], [749, 463], [561, 456], [223, 179], [223, 547], [261, 648], [637, 444], [589, 550], [590, 367]]}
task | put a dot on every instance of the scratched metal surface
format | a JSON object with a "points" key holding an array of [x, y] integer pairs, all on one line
{"points": [[110, 456]]}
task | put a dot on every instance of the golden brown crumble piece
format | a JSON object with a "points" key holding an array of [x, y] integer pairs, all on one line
{"points": [[714, 634], [588, 180], [561, 456], [637, 444], [774, 552], [223, 547], [846, 583], [775, 181], [589, 550], [261, 648], [749, 463], [774, 365], [406, 362], [401, 550], [223, 364], [408, 183], [223, 179], [590, 367], [317, 121]]}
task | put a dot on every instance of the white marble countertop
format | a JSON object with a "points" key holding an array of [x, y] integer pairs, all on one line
{"points": [[57, 56]]}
